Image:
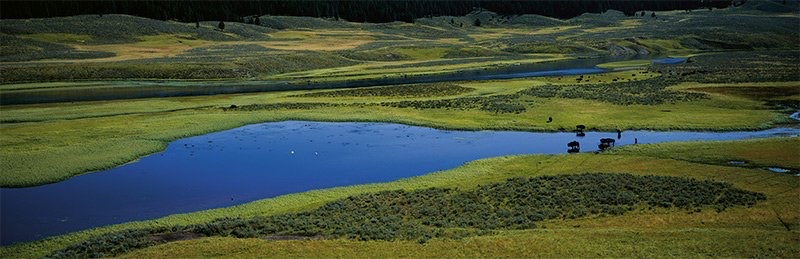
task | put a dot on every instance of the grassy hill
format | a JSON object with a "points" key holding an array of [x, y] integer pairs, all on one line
{"points": [[91, 44]]}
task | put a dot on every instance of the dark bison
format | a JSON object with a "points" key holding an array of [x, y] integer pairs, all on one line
{"points": [[579, 130], [606, 143], [574, 147]]}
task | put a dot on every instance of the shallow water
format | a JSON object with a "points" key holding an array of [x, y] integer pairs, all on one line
{"points": [[779, 170], [270, 159], [795, 116]]}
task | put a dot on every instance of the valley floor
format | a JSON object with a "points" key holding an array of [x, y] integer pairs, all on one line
{"points": [[737, 78]]}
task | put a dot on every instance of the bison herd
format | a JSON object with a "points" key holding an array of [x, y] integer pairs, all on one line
{"points": [[605, 143]]}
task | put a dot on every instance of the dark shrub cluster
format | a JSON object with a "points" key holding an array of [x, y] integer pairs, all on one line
{"points": [[644, 92], [727, 67], [416, 90], [108, 245], [495, 103], [117, 70], [277, 106], [201, 63], [20, 49], [518, 203]]}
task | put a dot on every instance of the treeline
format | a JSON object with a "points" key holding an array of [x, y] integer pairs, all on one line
{"points": [[518, 203], [351, 10]]}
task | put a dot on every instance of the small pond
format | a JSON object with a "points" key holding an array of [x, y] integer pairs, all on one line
{"points": [[779, 170], [270, 159]]}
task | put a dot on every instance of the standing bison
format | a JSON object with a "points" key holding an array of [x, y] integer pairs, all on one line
{"points": [[579, 130], [574, 147], [606, 143]]}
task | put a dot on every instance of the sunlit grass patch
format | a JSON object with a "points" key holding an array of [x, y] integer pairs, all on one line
{"points": [[625, 64], [416, 90], [760, 153], [577, 242]]}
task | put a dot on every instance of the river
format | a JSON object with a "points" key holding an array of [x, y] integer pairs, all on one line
{"points": [[266, 160]]}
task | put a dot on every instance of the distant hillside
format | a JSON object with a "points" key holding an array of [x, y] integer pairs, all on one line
{"points": [[357, 11], [115, 28]]}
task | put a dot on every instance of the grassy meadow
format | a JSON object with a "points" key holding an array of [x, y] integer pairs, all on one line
{"points": [[741, 74]]}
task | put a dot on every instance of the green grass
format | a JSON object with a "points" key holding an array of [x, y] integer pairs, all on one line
{"points": [[416, 90], [625, 64], [549, 243], [731, 233], [755, 153]]}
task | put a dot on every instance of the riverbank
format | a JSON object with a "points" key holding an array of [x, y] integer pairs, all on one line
{"points": [[737, 227]]}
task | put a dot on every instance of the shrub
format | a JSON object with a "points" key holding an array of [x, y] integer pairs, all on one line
{"points": [[420, 215]]}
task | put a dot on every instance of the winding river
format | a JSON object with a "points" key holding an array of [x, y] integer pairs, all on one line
{"points": [[149, 89], [270, 159]]}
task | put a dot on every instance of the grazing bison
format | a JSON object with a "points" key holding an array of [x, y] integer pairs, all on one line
{"points": [[579, 130], [606, 143], [609, 141], [574, 147]]}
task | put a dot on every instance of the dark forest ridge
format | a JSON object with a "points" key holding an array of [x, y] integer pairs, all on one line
{"points": [[357, 11]]}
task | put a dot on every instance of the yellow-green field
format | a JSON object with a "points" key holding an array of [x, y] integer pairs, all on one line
{"points": [[769, 228]]}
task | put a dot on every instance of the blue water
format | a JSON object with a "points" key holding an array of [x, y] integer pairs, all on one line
{"points": [[270, 159]]}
